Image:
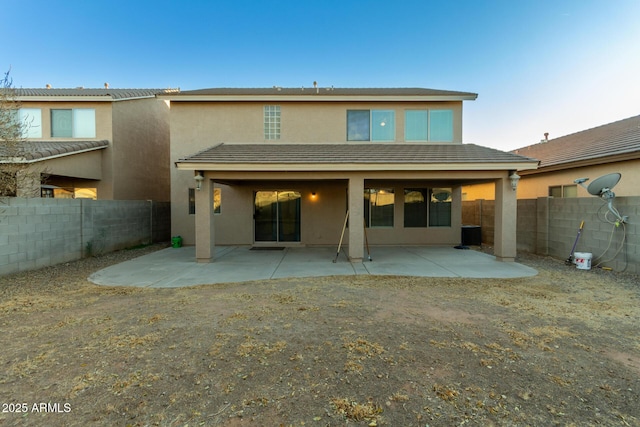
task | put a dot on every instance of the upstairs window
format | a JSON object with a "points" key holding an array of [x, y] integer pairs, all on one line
{"points": [[24, 123], [31, 122], [358, 125], [73, 123], [428, 125], [271, 122], [371, 125], [416, 125]]}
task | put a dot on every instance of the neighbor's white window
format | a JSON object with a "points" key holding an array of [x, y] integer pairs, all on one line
{"points": [[560, 191], [73, 123], [31, 122], [371, 125], [428, 125], [271, 122]]}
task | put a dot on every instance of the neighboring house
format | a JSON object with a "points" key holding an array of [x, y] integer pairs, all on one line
{"points": [[282, 166], [614, 147], [95, 143]]}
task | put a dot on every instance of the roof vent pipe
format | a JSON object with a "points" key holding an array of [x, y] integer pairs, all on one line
{"points": [[106, 85]]}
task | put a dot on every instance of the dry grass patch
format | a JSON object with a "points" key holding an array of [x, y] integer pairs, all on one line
{"points": [[259, 349], [352, 410]]}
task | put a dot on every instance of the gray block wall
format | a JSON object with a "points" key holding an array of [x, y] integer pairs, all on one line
{"points": [[38, 232], [615, 246], [549, 226]]}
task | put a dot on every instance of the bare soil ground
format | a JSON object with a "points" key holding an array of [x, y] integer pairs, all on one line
{"points": [[560, 348]]}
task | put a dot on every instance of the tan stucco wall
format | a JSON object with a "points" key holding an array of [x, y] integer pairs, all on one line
{"points": [[84, 165], [537, 185], [140, 161], [197, 126]]}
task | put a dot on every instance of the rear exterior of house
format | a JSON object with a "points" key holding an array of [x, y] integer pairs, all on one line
{"points": [[107, 144], [284, 166]]}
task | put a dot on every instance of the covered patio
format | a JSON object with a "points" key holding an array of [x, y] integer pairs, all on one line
{"points": [[340, 174]]}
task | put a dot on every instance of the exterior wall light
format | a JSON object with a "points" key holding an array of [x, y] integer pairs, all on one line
{"points": [[514, 177], [199, 178]]}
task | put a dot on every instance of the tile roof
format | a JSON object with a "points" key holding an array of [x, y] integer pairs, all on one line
{"points": [[327, 91], [352, 153], [42, 150], [115, 94], [592, 145]]}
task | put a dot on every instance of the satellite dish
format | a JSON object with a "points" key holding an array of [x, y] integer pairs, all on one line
{"points": [[604, 185], [601, 187]]}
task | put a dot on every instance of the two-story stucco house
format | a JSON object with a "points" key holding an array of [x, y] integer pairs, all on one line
{"points": [[110, 144], [283, 166]]}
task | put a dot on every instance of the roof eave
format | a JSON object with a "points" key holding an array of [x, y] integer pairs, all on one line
{"points": [[66, 98], [317, 98], [350, 167], [596, 161], [24, 160]]}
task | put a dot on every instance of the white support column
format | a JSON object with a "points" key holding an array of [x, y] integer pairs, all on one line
{"points": [[505, 220], [356, 219], [205, 238]]}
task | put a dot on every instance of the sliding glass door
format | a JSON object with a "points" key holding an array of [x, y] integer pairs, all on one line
{"points": [[277, 216]]}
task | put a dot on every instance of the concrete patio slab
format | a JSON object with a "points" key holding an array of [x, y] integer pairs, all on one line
{"points": [[176, 267]]}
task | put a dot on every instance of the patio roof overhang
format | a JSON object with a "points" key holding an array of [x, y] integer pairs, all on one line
{"points": [[267, 157]]}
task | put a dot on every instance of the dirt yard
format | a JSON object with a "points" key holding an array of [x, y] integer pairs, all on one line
{"points": [[561, 348]]}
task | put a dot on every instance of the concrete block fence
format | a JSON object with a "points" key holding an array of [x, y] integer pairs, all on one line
{"points": [[39, 232], [549, 226]]}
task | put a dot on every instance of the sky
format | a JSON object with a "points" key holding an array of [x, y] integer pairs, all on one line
{"points": [[538, 66]]}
